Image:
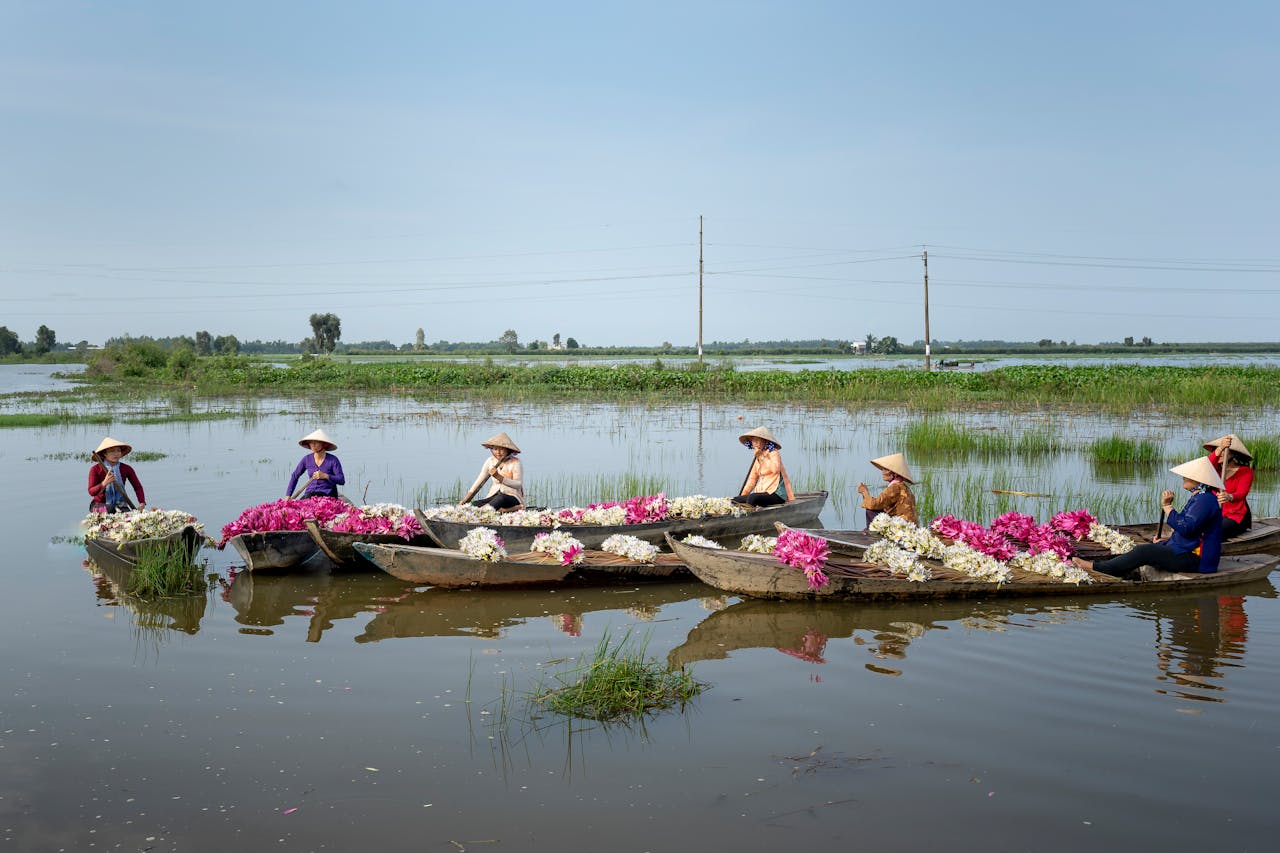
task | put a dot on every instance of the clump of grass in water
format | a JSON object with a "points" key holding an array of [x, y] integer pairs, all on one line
{"points": [[1118, 450], [67, 455], [164, 569], [617, 683], [935, 437]]}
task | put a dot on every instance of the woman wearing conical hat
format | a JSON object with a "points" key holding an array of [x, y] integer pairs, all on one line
{"points": [[1196, 541], [1237, 479], [108, 476], [506, 491], [321, 467], [895, 498], [767, 483]]}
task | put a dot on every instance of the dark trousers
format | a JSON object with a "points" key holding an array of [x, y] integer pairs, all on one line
{"points": [[1152, 554], [499, 501], [1232, 528], [760, 499]]}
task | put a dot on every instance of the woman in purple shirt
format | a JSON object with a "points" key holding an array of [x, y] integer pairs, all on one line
{"points": [[323, 470]]}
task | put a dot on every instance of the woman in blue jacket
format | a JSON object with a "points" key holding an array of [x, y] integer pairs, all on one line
{"points": [[1195, 541]]}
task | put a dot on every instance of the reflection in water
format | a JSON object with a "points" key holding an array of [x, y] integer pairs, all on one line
{"points": [[263, 601], [1205, 635], [435, 612], [153, 619]]}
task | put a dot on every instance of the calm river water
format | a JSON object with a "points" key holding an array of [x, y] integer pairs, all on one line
{"points": [[325, 711]]}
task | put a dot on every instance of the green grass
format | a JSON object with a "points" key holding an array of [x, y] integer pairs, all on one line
{"points": [[51, 419], [618, 683], [181, 417], [1266, 452], [1118, 450], [67, 455], [165, 570], [938, 437]]}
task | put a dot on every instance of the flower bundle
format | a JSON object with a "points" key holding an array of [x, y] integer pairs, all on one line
{"points": [[906, 535], [808, 553], [1050, 564], [283, 514], [608, 514], [899, 560], [1075, 523], [464, 514], [966, 560], [121, 527], [630, 547], [560, 545], [1014, 525], [700, 506], [701, 542], [757, 544], [483, 543], [1113, 540], [384, 518]]}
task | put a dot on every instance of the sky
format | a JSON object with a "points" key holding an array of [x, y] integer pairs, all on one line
{"points": [[1079, 172]]}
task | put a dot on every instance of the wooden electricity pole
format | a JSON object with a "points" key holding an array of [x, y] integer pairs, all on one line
{"points": [[927, 339], [699, 288]]}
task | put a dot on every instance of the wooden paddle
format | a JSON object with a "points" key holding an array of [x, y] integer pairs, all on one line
{"points": [[472, 493], [124, 494]]}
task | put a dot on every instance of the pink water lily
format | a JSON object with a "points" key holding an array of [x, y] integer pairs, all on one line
{"points": [[283, 514], [808, 553]]}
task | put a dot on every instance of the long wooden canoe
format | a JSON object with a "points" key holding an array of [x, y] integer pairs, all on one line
{"points": [[762, 576], [450, 568], [278, 550], [125, 554], [804, 510], [340, 547]]}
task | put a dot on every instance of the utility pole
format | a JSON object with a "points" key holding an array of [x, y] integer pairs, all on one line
{"points": [[927, 339], [699, 288]]}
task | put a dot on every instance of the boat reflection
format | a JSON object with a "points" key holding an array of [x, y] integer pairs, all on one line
{"points": [[263, 601], [436, 612], [1198, 639], [152, 617]]}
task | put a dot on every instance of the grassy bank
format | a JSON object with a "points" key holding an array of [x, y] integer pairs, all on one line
{"points": [[1116, 388]]}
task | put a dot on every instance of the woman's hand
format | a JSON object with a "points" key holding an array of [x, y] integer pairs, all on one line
{"points": [[1225, 497], [863, 490], [109, 479], [319, 475], [1166, 497], [498, 478]]}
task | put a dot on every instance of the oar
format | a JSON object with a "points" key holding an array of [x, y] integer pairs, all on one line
{"points": [[1160, 523], [124, 494], [754, 455]]}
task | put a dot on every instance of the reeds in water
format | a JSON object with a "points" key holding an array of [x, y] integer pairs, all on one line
{"points": [[165, 569], [936, 437], [1119, 450]]}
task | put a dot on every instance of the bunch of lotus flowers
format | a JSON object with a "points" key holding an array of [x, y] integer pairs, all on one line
{"points": [[630, 547], [701, 542], [1051, 565], [384, 518], [527, 518], [464, 514], [900, 561], [1113, 540], [961, 558], [808, 553], [284, 514], [610, 514], [757, 544], [560, 545], [700, 506], [906, 535], [1074, 523], [483, 543], [121, 527]]}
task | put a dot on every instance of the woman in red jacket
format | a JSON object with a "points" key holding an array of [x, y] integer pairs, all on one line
{"points": [[1237, 479], [108, 476]]}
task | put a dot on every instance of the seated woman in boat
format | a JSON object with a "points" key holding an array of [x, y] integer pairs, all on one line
{"points": [[1237, 479], [108, 476], [895, 498], [767, 483], [506, 492], [323, 470], [1196, 542]]}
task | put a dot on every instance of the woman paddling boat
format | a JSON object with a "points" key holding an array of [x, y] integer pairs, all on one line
{"points": [[767, 482], [108, 476], [1237, 480], [323, 470], [506, 492]]}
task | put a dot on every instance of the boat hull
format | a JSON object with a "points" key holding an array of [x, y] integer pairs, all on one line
{"points": [[340, 547], [278, 550], [106, 552]]}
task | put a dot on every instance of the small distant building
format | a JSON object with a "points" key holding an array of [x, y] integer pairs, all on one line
{"points": [[556, 345], [858, 347]]}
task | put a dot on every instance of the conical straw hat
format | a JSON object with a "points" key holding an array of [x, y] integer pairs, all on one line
{"points": [[1201, 470], [108, 443], [760, 432], [1237, 446], [318, 435], [501, 440], [897, 463]]}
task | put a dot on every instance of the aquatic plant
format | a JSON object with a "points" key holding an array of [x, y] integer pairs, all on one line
{"points": [[1121, 450], [164, 569]]}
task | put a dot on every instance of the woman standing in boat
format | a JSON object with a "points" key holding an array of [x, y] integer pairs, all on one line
{"points": [[1196, 543], [108, 476], [767, 483], [323, 470], [896, 498], [1237, 479], [506, 492]]}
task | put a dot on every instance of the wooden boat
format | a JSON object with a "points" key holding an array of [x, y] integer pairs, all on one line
{"points": [[339, 547], [762, 576], [275, 550], [106, 552], [805, 509], [450, 568]]}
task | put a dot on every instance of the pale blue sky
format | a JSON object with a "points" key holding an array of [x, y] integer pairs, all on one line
{"points": [[1077, 171]]}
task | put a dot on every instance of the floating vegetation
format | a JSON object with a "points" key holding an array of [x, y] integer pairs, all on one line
{"points": [[182, 417], [934, 437], [584, 489], [164, 569], [51, 419], [618, 682], [1118, 450], [67, 456]]}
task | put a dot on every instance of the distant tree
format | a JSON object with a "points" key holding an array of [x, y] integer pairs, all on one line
{"points": [[45, 340], [326, 329], [204, 343], [1046, 342], [227, 344], [419, 340], [888, 345], [510, 340], [571, 344], [9, 342], [82, 347], [555, 340], [1146, 342], [533, 345], [666, 346], [871, 342], [1128, 341]]}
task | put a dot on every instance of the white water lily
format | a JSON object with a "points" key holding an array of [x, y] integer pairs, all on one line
{"points": [[1050, 565], [967, 561], [463, 514], [1113, 540], [560, 545], [898, 560], [137, 524], [483, 543], [630, 547], [700, 506], [757, 544], [701, 542]]}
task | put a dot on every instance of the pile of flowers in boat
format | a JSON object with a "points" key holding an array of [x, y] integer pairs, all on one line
{"points": [[1013, 542], [149, 523], [560, 546], [331, 513], [645, 509]]}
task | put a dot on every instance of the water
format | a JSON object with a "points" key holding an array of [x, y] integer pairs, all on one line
{"points": [[351, 711]]}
